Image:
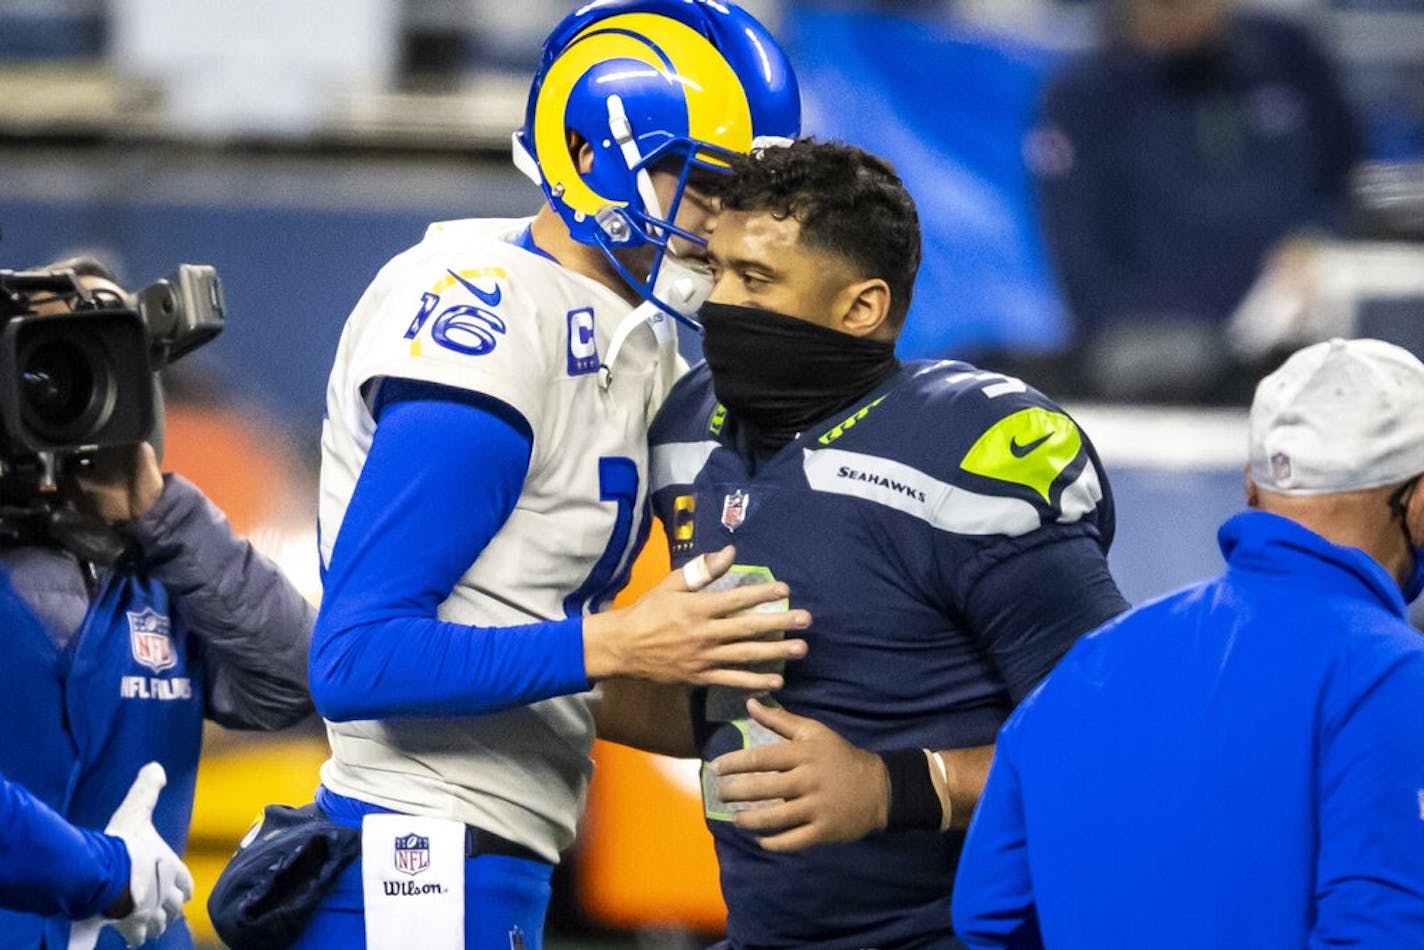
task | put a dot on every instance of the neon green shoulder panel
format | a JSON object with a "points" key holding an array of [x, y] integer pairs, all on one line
{"points": [[1031, 447]]}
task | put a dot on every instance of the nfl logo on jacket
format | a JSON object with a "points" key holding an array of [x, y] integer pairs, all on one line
{"points": [[148, 637]]}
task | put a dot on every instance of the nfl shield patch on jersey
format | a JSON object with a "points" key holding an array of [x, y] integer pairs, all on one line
{"points": [[734, 509]]}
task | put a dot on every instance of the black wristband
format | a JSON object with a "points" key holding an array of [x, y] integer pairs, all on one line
{"points": [[914, 803], [701, 729]]}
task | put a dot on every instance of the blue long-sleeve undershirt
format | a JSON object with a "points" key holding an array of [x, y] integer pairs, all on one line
{"points": [[49, 867], [443, 475]]}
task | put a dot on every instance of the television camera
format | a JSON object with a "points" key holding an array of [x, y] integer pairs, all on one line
{"points": [[77, 365]]}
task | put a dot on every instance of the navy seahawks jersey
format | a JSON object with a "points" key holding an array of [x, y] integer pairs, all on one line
{"points": [[901, 524]]}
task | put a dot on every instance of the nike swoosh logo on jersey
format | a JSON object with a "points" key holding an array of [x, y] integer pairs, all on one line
{"points": [[483, 296], [1021, 451]]}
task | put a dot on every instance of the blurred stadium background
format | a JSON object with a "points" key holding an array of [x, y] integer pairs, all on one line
{"points": [[298, 144]]}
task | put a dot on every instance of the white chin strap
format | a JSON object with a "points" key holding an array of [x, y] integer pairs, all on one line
{"points": [[622, 132], [684, 289]]}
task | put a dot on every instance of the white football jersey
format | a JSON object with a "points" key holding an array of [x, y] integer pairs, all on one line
{"points": [[468, 308]]}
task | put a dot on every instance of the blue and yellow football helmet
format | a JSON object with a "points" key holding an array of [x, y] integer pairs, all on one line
{"points": [[676, 84]]}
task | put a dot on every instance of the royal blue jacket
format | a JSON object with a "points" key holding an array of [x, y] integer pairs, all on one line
{"points": [[1240, 764], [202, 627]]}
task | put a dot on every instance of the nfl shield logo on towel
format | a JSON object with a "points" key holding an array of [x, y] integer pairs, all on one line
{"points": [[734, 509], [149, 640], [412, 854]]}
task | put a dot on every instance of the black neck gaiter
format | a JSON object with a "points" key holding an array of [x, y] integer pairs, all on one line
{"points": [[778, 375]]}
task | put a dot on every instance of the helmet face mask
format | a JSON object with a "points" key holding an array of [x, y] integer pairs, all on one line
{"points": [[651, 220], [640, 236], [651, 87]]}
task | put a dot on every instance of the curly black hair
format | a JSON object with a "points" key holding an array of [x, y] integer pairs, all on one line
{"points": [[848, 202]]}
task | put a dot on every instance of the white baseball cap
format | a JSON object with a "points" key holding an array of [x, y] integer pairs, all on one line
{"points": [[1339, 416]]}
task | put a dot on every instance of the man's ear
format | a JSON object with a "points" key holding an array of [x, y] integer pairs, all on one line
{"points": [[1414, 508], [580, 151], [1253, 493], [865, 309]]}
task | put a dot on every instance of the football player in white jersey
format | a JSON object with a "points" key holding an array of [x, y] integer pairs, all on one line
{"points": [[484, 483]]}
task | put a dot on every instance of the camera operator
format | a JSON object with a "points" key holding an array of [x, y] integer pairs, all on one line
{"points": [[129, 610]]}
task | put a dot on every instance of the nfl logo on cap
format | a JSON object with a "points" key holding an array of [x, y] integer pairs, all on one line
{"points": [[1281, 467]]}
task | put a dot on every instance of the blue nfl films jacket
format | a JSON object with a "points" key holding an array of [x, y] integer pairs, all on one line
{"points": [[80, 721]]}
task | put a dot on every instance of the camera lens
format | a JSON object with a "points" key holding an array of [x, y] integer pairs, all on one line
{"points": [[65, 388], [72, 381], [58, 383]]}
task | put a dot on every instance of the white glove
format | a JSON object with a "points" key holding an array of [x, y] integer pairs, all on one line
{"points": [[159, 883]]}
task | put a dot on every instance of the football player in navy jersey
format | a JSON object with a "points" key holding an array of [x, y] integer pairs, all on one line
{"points": [[947, 527]]}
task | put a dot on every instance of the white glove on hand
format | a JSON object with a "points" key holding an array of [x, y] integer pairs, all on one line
{"points": [[159, 883]]}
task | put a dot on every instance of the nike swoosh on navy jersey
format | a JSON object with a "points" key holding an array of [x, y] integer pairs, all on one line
{"points": [[485, 297], [1020, 451]]}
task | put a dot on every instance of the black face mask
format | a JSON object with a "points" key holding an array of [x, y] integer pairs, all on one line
{"points": [[778, 375]]}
